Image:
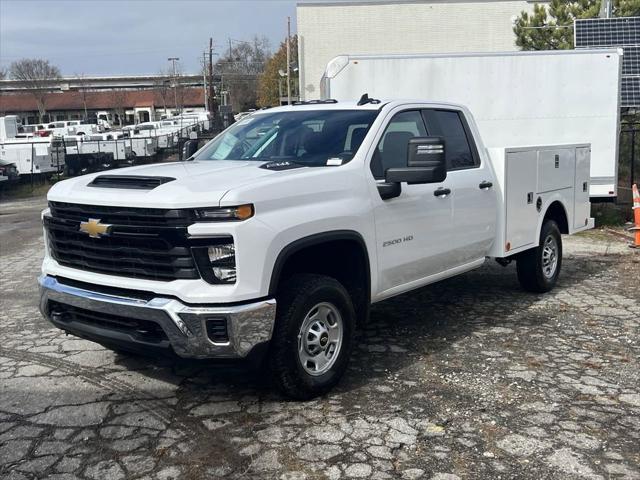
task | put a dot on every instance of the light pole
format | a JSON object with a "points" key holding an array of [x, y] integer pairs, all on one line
{"points": [[173, 60], [288, 60]]}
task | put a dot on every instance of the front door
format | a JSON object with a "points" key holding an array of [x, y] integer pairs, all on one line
{"points": [[412, 230]]}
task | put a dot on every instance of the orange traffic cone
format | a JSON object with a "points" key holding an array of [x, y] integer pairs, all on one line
{"points": [[636, 217]]}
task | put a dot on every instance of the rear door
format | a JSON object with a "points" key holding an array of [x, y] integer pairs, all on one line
{"points": [[473, 194]]}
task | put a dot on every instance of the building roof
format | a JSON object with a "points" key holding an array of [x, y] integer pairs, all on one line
{"points": [[334, 3], [103, 100], [128, 82]]}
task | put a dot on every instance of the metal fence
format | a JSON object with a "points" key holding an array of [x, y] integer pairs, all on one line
{"points": [[628, 159], [95, 152]]}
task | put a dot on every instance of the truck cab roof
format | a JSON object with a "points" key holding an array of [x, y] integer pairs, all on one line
{"points": [[353, 105]]}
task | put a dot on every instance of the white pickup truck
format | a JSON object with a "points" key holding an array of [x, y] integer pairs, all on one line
{"points": [[277, 236]]}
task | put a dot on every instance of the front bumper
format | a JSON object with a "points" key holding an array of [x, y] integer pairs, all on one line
{"points": [[184, 326]]}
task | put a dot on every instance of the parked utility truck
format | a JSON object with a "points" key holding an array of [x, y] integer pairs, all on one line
{"points": [[276, 237], [30, 155], [90, 153]]}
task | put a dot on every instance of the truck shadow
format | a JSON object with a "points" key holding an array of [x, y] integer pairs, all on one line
{"points": [[401, 331]]}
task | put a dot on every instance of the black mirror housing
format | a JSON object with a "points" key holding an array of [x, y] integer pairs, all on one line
{"points": [[389, 190], [189, 148], [426, 162]]}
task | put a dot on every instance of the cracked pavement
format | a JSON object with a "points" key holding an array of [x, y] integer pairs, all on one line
{"points": [[468, 378]]}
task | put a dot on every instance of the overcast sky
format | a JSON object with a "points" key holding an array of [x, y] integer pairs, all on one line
{"points": [[133, 36]]}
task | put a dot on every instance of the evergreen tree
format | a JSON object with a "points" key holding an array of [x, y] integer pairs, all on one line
{"points": [[550, 27]]}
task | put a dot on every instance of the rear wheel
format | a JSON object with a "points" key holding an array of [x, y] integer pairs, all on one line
{"points": [[313, 336], [539, 268]]}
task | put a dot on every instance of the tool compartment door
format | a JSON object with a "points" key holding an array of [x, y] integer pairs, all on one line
{"points": [[581, 205], [521, 171], [556, 169]]}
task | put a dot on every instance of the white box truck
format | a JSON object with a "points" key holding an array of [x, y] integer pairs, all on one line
{"points": [[517, 98]]}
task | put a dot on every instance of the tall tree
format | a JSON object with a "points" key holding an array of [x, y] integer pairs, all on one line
{"points": [[239, 69], [37, 76], [550, 27], [271, 85], [83, 85], [162, 85], [3, 73], [120, 103]]}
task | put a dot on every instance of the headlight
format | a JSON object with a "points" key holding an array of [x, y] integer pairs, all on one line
{"points": [[217, 261], [223, 262], [241, 212]]}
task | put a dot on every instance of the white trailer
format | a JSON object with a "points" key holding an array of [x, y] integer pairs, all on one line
{"points": [[166, 132], [72, 127], [142, 145], [90, 153], [32, 155], [202, 118], [518, 98]]}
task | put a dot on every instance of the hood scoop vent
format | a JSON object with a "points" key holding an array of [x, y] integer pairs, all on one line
{"points": [[132, 182]]}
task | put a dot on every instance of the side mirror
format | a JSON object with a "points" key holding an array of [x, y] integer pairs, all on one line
{"points": [[426, 162], [189, 148]]}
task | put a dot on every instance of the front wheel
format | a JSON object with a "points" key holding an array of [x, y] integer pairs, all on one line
{"points": [[539, 268], [313, 336]]}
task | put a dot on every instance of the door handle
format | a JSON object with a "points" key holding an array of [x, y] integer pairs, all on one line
{"points": [[484, 185], [442, 192]]}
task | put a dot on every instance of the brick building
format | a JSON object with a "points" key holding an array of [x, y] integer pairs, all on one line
{"points": [[125, 106]]}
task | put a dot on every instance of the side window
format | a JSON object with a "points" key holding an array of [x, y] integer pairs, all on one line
{"points": [[392, 149], [450, 125]]}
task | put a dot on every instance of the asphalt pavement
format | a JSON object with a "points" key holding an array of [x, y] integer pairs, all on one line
{"points": [[469, 378]]}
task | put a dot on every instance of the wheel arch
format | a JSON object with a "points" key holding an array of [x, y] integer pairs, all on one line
{"points": [[341, 254], [557, 212]]}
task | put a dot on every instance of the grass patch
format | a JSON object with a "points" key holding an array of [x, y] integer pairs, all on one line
{"points": [[25, 189], [610, 214]]}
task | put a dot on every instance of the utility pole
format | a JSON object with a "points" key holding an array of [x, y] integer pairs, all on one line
{"points": [[213, 109], [204, 80], [288, 60], [175, 80]]}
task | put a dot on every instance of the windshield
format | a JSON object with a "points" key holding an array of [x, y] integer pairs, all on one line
{"points": [[311, 137]]}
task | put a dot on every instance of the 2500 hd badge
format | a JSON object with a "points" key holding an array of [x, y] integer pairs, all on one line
{"points": [[388, 243]]}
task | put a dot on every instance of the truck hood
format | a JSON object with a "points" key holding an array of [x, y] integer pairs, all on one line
{"points": [[196, 184]]}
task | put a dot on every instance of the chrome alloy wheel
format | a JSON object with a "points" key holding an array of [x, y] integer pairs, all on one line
{"points": [[320, 339], [549, 256]]}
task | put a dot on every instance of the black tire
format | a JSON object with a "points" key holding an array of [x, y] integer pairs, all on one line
{"points": [[534, 275], [297, 298]]}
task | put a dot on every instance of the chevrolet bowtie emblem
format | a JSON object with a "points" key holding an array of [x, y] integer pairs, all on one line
{"points": [[94, 228]]}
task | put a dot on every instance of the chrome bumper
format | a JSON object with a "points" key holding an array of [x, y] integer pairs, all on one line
{"points": [[248, 325]]}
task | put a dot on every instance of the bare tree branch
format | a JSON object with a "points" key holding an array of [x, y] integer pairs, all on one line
{"points": [[37, 76], [240, 68], [82, 89], [162, 85], [120, 97]]}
